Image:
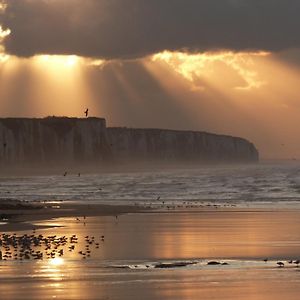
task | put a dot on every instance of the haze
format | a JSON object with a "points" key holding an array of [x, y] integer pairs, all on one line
{"points": [[229, 67]]}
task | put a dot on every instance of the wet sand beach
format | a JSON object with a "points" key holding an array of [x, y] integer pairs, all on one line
{"points": [[19, 216], [161, 255]]}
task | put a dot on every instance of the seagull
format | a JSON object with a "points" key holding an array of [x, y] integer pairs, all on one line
{"points": [[280, 264], [86, 112]]}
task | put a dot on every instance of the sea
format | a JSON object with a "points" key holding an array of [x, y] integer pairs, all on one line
{"points": [[238, 185]]}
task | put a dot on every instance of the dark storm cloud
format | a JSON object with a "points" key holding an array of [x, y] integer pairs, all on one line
{"points": [[135, 28]]}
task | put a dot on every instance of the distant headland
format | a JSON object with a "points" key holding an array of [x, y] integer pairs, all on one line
{"points": [[59, 140]]}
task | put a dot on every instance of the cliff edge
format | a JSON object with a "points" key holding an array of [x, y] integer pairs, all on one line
{"points": [[174, 145], [58, 140], [52, 140]]}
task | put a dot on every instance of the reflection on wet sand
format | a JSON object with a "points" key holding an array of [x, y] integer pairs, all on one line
{"points": [[241, 238], [223, 234]]}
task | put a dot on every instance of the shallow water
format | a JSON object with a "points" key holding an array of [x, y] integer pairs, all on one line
{"points": [[118, 269], [87, 281]]}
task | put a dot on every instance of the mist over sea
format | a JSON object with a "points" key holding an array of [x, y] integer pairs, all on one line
{"points": [[254, 185]]}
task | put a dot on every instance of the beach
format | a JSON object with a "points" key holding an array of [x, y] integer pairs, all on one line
{"points": [[208, 233], [158, 254]]}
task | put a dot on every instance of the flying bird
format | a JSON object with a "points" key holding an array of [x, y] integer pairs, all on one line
{"points": [[86, 112]]}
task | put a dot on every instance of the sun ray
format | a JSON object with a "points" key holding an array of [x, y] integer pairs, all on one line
{"points": [[208, 91], [236, 88], [194, 66]]}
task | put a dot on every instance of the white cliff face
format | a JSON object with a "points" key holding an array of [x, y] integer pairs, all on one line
{"points": [[179, 145], [70, 140], [52, 140]]}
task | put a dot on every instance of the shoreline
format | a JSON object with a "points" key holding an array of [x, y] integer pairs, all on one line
{"points": [[17, 216], [22, 218]]}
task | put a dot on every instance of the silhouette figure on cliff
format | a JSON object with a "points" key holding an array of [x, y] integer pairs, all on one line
{"points": [[86, 112]]}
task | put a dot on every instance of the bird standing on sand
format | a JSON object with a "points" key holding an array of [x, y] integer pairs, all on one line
{"points": [[65, 174], [280, 264], [86, 112]]}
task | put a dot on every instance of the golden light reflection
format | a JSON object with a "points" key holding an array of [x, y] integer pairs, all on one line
{"points": [[57, 261], [225, 235], [54, 270], [193, 66]]}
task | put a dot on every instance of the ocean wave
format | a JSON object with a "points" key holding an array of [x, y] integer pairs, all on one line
{"points": [[247, 184]]}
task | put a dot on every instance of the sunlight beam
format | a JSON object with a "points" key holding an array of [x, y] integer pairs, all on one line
{"points": [[194, 66]]}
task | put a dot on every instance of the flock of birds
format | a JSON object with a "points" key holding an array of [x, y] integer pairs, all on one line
{"points": [[282, 264], [39, 247]]}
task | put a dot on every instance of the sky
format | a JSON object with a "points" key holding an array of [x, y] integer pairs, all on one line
{"points": [[230, 67]]}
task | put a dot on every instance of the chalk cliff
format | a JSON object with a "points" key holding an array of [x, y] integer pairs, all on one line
{"points": [[52, 140], [71, 140], [139, 144]]}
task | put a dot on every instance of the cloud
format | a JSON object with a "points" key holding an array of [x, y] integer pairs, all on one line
{"points": [[113, 29]]}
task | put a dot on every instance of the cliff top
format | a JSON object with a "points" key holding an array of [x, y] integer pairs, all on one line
{"points": [[57, 120], [176, 131], [49, 118]]}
